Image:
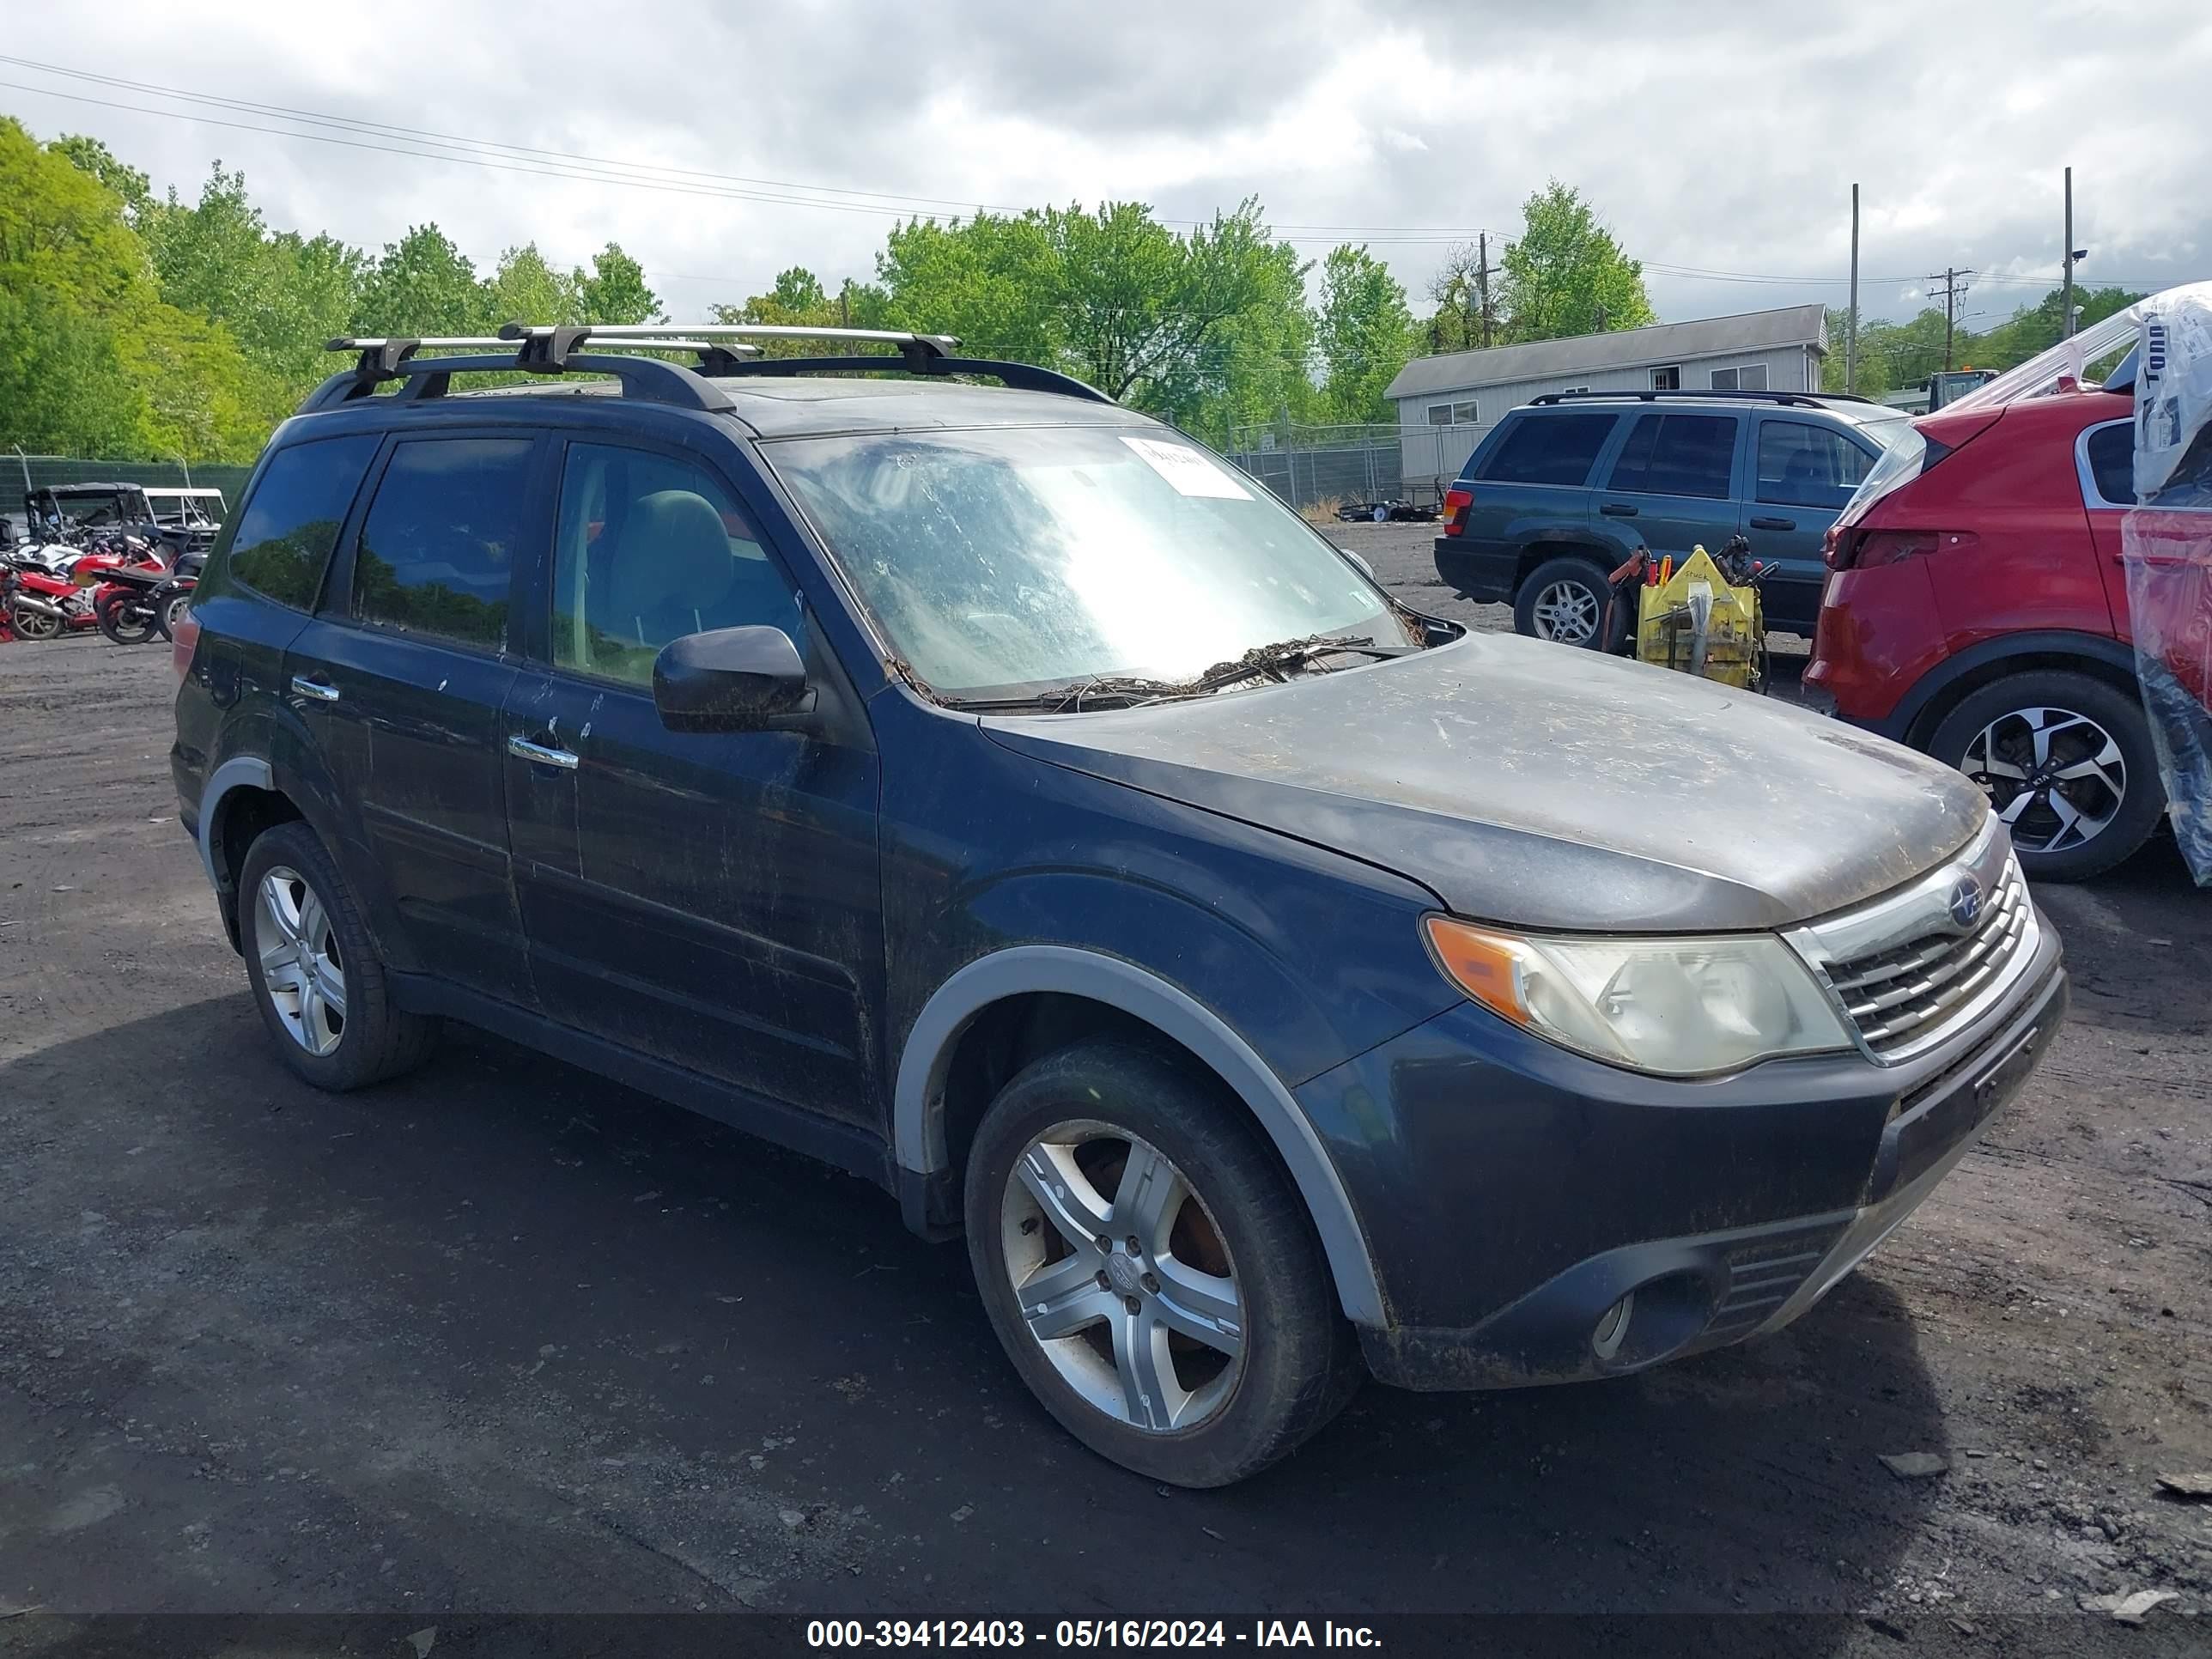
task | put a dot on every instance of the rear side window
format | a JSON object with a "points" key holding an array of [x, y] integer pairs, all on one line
{"points": [[1549, 449], [2113, 464], [1678, 455], [438, 549], [1801, 464], [289, 523]]}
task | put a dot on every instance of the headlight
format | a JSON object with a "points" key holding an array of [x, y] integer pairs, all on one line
{"points": [[1678, 1007]]}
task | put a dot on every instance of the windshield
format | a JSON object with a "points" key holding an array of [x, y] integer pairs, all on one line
{"points": [[1004, 562]]}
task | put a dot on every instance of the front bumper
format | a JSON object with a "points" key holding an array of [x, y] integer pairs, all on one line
{"points": [[1802, 1191]]}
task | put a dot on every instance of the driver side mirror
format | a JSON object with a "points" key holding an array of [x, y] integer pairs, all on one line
{"points": [[1365, 569], [732, 679]]}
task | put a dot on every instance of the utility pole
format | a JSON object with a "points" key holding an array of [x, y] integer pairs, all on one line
{"points": [[1852, 326], [1954, 289], [2066, 314], [1482, 269]]}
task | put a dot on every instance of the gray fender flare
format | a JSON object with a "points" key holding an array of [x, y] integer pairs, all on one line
{"points": [[919, 1120], [247, 771]]}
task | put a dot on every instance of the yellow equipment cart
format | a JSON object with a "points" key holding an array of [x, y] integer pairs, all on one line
{"points": [[1697, 622]]}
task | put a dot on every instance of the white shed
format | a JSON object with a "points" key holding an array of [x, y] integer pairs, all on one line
{"points": [[1446, 404]]}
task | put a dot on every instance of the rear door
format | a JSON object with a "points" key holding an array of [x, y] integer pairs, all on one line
{"points": [[1532, 483], [1672, 484], [1802, 473], [2104, 457], [708, 898], [408, 664]]}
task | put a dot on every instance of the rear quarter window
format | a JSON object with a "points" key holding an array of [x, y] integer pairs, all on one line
{"points": [[290, 523], [1548, 448]]}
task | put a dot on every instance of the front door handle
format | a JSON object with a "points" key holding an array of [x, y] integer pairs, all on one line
{"points": [[1774, 524], [320, 691], [524, 749], [1618, 510]]}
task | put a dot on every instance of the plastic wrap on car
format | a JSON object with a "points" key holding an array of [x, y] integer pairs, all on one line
{"points": [[2166, 544]]}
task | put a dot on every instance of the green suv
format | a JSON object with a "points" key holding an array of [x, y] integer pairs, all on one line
{"points": [[1565, 488]]}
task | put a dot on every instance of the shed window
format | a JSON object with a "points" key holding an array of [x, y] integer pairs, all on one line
{"points": [[1744, 377], [1669, 379], [1440, 414]]}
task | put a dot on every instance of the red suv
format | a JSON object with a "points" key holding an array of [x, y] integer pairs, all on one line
{"points": [[1976, 609]]}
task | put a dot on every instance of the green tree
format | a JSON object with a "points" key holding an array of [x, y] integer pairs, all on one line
{"points": [[421, 284], [798, 290], [1874, 377], [987, 280], [616, 290], [524, 288], [1365, 334], [1566, 275], [90, 155]]}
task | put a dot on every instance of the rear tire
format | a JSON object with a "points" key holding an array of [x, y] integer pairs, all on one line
{"points": [[1219, 1227], [1565, 600], [169, 612], [2092, 794], [302, 937], [125, 620]]}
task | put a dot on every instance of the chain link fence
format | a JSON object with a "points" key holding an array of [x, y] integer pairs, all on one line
{"points": [[1324, 466]]}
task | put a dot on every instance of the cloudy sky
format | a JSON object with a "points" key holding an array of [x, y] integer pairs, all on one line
{"points": [[721, 143]]}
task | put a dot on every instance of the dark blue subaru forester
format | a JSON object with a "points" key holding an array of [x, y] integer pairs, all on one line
{"points": [[987, 790]]}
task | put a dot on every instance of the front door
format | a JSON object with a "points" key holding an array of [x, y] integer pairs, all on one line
{"points": [[1671, 486], [1802, 476], [709, 899], [407, 669]]}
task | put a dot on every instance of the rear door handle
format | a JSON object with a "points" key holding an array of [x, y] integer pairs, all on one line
{"points": [[320, 691], [1774, 524], [1618, 510], [524, 749]]}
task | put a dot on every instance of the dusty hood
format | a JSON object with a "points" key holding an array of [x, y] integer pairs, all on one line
{"points": [[1523, 782]]}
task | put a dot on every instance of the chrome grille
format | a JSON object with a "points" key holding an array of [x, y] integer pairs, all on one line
{"points": [[1906, 972], [1895, 996]]}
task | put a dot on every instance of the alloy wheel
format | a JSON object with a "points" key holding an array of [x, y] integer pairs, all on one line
{"points": [[36, 625], [299, 960], [1132, 1298], [2057, 778], [1566, 611]]}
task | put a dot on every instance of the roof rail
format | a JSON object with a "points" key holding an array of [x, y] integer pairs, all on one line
{"points": [[1797, 399], [394, 358], [723, 349]]}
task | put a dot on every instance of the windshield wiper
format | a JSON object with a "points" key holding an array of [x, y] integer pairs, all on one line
{"points": [[1286, 657], [1278, 661], [1100, 692]]}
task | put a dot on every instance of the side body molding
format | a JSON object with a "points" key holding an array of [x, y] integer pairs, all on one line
{"points": [[247, 771], [918, 1105]]}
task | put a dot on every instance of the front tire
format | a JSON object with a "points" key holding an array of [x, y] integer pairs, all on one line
{"points": [[1565, 600], [2067, 761], [1151, 1270], [35, 624], [314, 971]]}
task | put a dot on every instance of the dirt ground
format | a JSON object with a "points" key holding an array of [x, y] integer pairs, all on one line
{"points": [[503, 1337]]}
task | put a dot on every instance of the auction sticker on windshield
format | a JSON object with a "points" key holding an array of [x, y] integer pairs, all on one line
{"points": [[1190, 472]]}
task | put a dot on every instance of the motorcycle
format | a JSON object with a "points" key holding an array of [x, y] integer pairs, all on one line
{"points": [[174, 597], [44, 606], [122, 572]]}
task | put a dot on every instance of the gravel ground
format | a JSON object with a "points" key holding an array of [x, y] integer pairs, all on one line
{"points": [[503, 1337]]}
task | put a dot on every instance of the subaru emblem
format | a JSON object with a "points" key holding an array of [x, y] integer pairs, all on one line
{"points": [[1965, 901]]}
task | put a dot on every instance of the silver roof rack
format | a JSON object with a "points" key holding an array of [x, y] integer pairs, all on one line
{"points": [[603, 334]]}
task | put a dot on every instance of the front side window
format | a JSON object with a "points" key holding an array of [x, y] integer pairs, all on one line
{"points": [[649, 549], [1014, 563], [1801, 464], [1549, 449], [1678, 455], [291, 521], [438, 550]]}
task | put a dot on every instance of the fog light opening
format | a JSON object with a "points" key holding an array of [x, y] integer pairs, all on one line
{"points": [[1613, 1327]]}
